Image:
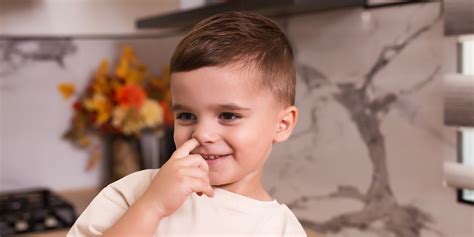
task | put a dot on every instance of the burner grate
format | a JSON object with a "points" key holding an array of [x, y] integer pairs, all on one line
{"points": [[34, 210]]}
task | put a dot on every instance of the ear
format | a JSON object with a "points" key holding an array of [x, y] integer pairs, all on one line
{"points": [[286, 123]]}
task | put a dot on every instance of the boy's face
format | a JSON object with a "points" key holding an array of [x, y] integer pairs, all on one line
{"points": [[230, 117]]}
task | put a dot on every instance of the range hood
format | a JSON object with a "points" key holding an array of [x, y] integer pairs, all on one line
{"points": [[270, 8]]}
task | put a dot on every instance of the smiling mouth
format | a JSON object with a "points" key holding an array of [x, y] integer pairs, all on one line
{"points": [[212, 157]]}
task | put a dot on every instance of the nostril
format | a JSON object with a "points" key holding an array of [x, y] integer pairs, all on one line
{"points": [[206, 137]]}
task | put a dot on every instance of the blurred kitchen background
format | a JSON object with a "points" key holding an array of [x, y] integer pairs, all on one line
{"points": [[383, 145]]}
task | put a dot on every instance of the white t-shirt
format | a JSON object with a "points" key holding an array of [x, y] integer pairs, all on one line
{"points": [[225, 214]]}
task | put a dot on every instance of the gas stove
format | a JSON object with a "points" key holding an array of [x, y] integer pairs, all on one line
{"points": [[34, 210]]}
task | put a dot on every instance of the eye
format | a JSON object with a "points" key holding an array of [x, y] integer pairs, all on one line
{"points": [[185, 116], [226, 116]]}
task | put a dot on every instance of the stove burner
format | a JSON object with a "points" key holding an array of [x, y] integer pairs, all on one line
{"points": [[27, 211]]}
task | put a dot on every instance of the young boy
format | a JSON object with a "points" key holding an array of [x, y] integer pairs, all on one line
{"points": [[233, 89]]}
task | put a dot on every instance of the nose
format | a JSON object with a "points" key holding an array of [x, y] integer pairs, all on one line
{"points": [[206, 132]]}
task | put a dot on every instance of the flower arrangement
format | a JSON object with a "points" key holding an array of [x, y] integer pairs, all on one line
{"points": [[125, 101]]}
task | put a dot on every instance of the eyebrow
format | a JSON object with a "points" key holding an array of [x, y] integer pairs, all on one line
{"points": [[231, 107]]}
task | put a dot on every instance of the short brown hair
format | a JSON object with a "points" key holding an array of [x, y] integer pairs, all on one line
{"points": [[249, 37]]}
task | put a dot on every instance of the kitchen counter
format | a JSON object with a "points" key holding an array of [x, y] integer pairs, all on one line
{"points": [[79, 198]]}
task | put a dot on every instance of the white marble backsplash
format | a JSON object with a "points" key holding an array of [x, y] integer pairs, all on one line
{"points": [[365, 158]]}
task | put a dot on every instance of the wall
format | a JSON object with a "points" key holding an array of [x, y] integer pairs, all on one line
{"points": [[34, 115], [78, 17], [366, 156]]}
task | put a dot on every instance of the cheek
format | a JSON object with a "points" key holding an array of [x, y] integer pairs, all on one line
{"points": [[251, 139], [241, 139], [180, 135]]}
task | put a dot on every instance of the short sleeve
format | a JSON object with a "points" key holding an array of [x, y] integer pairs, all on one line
{"points": [[110, 204], [101, 214]]}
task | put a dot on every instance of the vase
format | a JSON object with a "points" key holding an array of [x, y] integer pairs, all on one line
{"points": [[157, 147], [124, 155], [128, 154]]}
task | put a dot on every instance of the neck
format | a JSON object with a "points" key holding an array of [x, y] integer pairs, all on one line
{"points": [[250, 186]]}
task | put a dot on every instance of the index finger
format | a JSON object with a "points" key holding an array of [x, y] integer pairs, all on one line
{"points": [[185, 148]]}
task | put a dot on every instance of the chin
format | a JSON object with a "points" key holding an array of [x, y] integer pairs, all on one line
{"points": [[220, 181]]}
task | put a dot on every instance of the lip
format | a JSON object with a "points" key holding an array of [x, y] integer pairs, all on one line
{"points": [[217, 160]]}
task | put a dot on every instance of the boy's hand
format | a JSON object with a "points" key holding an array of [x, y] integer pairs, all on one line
{"points": [[180, 176]]}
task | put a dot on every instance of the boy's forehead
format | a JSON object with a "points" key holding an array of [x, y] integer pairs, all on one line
{"points": [[223, 77], [217, 86]]}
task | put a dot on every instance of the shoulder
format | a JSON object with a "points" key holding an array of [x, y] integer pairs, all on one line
{"points": [[135, 183], [132, 186], [283, 222], [293, 225], [136, 178]]}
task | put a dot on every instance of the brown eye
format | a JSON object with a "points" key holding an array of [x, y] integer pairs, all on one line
{"points": [[229, 116], [185, 116]]}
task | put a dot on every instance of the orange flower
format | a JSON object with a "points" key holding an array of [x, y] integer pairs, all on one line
{"points": [[67, 90], [130, 95]]}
